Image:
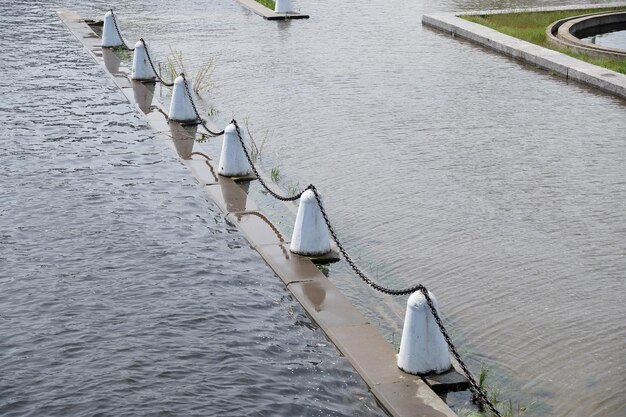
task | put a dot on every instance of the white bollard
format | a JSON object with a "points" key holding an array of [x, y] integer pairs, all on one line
{"points": [[142, 70], [310, 233], [282, 6], [233, 161], [110, 37], [181, 109], [422, 349]]}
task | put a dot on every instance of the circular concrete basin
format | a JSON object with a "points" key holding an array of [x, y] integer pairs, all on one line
{"points": [[568, 32]]}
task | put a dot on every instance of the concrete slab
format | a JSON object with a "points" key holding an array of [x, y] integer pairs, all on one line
{"points": [[322, 300], [268, 14], [157, 121], [257, 228], [370, 354], [229, 196], [202, 170], [446, 382], [288, 267], [603, 79], [423, 403]]}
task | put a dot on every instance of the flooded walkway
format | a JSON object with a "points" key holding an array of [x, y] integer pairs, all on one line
{"points": [[124, 292], [499, 187]]}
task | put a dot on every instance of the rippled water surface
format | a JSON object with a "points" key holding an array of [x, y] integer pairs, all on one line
{"points": [[124, 293], [500, 187], [615, 39]]}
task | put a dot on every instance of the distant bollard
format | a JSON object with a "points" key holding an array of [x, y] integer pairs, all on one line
{"points": [[282, 6], [142, 70], [423, 349], [110, 37], [181, 109], [233, 161], [310, 233]]}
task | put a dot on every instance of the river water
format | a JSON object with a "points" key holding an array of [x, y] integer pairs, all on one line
{"points": [[124, 292], [498, 186]]}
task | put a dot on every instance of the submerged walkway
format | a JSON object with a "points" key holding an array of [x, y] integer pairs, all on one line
{"points": [[124, 291]]}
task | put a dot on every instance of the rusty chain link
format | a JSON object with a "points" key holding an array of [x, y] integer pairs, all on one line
{"points": [[117, 29], [156, 74]]}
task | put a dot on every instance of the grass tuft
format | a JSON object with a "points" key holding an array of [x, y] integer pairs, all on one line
{"points": [[270, 4]]}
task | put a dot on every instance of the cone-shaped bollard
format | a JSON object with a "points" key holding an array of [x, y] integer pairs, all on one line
{"points": [[422, 349], [310, 233], [233, 161], [142, 70], [282, 6], [110, 37], [181, 109]]}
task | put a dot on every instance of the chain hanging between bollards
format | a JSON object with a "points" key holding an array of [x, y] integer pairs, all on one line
{"points": [[117, 29], [474, 387], [156, 74], [256, 172], [195, 109]]}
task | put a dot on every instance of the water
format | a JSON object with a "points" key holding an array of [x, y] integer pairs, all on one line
{"points": [[615, 39], [124, 292], [498, 186]]}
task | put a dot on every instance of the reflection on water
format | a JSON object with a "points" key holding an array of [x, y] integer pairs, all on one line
{"points": [[184, 137], [111, 60], [144, 93], [615, 39]]}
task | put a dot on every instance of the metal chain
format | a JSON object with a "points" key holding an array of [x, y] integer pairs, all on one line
{"points": [[156, 74], [418, 287], [474, 387], [195, 110], [256, 172], [120, 33]]}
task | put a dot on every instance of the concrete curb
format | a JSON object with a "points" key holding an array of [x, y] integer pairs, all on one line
{"points": [[398, 393], [570, 68]]}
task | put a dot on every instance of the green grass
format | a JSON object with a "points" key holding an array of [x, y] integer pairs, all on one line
{"points": [[532, 27], [270, 4], [275, 174]]}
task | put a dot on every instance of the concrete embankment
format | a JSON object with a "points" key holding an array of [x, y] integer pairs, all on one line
{"points": [[558, 63]]}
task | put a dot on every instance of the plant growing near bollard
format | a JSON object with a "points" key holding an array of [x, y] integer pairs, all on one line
{"points": [[270, 4], [201, 81], [506, 408], [275, 174], [123, 53]]}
